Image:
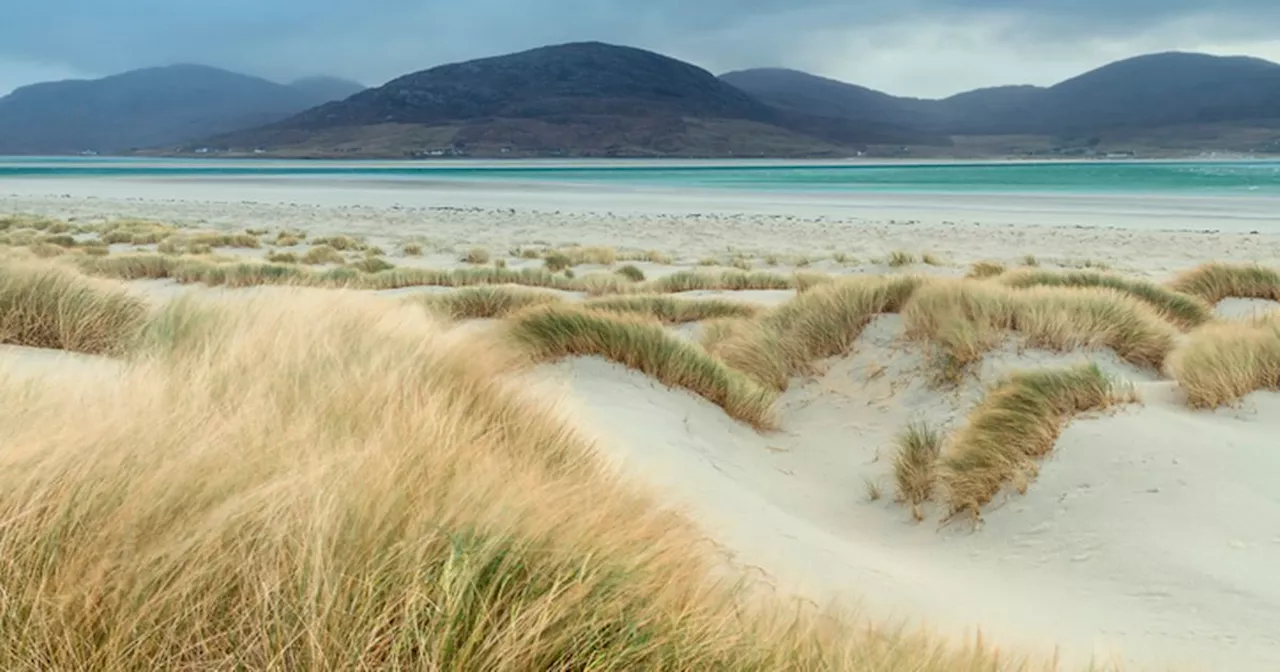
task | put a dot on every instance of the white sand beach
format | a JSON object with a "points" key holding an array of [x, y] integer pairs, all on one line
{"points": [[1151, 535]]}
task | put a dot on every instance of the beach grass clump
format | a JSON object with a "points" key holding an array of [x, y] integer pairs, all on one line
{"points": [[322, 254], [630, 272], [967, 318], [343, 484], [672, 310], [726, 280], [820, 323], [1221, 363], [554, 332], [485, 301], [930, 259], [340, 243], [477, 256], [1217, 281], [1017, 423], [986, 269], [651, 256], [899, 258], [133, 232], [804, 281], [43, 306], [277, 257], [411, 250], [1185, 310], [373, 264], [557, 261], [44, 250], [129, 266], [914, 465]]}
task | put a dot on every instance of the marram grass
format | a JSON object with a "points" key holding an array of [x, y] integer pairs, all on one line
{"points": [[820, 323], [1222, 363], [966, 318], [1217, 281], [553, 332], [49, 307], [1185, 310], [1017, 423]]}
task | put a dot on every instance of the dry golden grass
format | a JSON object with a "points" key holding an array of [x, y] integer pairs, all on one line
{"points": [[630, 272], [341, 485], [727, 280], [899, 258], [553, 332], [49, 307], [1184, 310], [914, 466], [322, 254], [651, 256], [1221, 363], [986, 269], [672, 310], [340, 243], [1215, 282], [478, 256], [1019, 422], [966, 318], [485, 302], [822, 322]]}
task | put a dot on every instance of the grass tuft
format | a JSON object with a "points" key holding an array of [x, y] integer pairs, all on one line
{"points": [[1184, 310], [48, 307], [322, 254], [899, 258], [919, 447], [1016, 424], [966, 318], [484, 302], [986, 269], [1222, 363], [822, 322], [1215, 282], [672, 310], [553, 332], [630, 272], [477, 256], [727, 280]]}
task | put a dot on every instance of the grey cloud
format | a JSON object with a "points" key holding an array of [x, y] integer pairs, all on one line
{"points": [[374, 40]]}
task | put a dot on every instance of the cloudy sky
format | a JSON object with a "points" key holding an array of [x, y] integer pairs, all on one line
{"points": [[907, 47]]}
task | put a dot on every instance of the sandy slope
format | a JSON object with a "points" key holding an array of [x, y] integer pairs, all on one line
{"points": [[1154, 531]]}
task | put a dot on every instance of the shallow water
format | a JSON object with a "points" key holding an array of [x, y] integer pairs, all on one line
{"points": [[1087, 177]]}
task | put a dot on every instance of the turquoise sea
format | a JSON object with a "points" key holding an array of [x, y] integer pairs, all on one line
{"points": [[1199, 178]]}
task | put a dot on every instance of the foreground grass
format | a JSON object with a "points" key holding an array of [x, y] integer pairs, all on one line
{"points": [[1221, 363], [1018, 423], [819, 323], [968, 318], [553, 332], [49, 307], [1185, 310], [1215, 282], [342, 487]]}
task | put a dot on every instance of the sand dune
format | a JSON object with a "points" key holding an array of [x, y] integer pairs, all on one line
{"points": [[1149, 534]]}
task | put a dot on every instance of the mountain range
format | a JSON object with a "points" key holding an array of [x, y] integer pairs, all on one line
{"points": [[595, 99], [150, 108]]}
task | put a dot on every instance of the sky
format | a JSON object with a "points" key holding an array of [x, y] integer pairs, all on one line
{"points": [[926, 48]]}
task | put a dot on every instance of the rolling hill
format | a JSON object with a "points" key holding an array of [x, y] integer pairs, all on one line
{"points": [[580, 99], [148, 108], [1137, 94]]}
